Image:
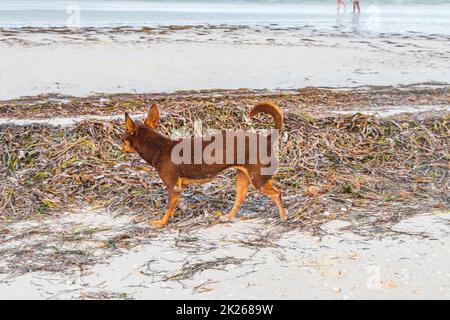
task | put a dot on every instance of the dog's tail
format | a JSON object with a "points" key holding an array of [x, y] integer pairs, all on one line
{"points": [[270, 108]]}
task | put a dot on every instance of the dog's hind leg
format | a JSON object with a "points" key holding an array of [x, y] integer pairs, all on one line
{"points": [[242, 183], [174, 198], [266, 187], [177, 189]]}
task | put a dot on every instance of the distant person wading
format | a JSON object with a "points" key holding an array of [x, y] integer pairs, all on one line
{"points": [[339, 3], [342, 2], [356, 6]]}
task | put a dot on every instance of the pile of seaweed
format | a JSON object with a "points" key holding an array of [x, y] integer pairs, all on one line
{"points": [[314, 100], [366, 169]]}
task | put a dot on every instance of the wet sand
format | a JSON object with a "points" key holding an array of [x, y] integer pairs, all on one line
{"points": [[88, 61]]}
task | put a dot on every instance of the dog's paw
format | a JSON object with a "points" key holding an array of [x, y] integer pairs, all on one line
{"points": [[224, 219], [284, 217], [158, 223]]}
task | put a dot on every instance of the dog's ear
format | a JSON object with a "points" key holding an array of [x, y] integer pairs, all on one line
{"points": [[130, 125], [152, 117]]}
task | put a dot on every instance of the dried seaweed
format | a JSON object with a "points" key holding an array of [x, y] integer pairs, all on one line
{"points": [[364, 168], [189, 270], [315, 101]]}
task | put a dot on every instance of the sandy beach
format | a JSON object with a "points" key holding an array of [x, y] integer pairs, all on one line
{"points": [[243, 260], [364, 152], [81, 63], [390, 244]]}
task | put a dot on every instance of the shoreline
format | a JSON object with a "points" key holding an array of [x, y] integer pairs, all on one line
{"points": [[393, 17]]}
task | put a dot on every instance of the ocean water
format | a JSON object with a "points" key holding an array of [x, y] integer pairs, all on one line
{"points": [[429, 17]]}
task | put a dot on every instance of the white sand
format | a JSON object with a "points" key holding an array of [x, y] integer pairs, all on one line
{"points": [[339, 266], [66, 121], [69, 121]]}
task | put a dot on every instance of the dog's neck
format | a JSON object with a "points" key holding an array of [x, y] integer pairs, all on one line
{"points": [[149, 144]]}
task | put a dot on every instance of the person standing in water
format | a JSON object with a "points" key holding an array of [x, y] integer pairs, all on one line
{"points": [[355, 6], [339, 2]]}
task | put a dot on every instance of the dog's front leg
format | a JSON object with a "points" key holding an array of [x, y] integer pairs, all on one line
{"points": [[174, 197]]}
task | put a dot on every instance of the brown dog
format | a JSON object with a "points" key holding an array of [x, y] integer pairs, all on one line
{"points": [[245, 156]]}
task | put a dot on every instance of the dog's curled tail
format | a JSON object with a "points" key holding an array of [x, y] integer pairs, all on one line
{"points": [[270, 108]]}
